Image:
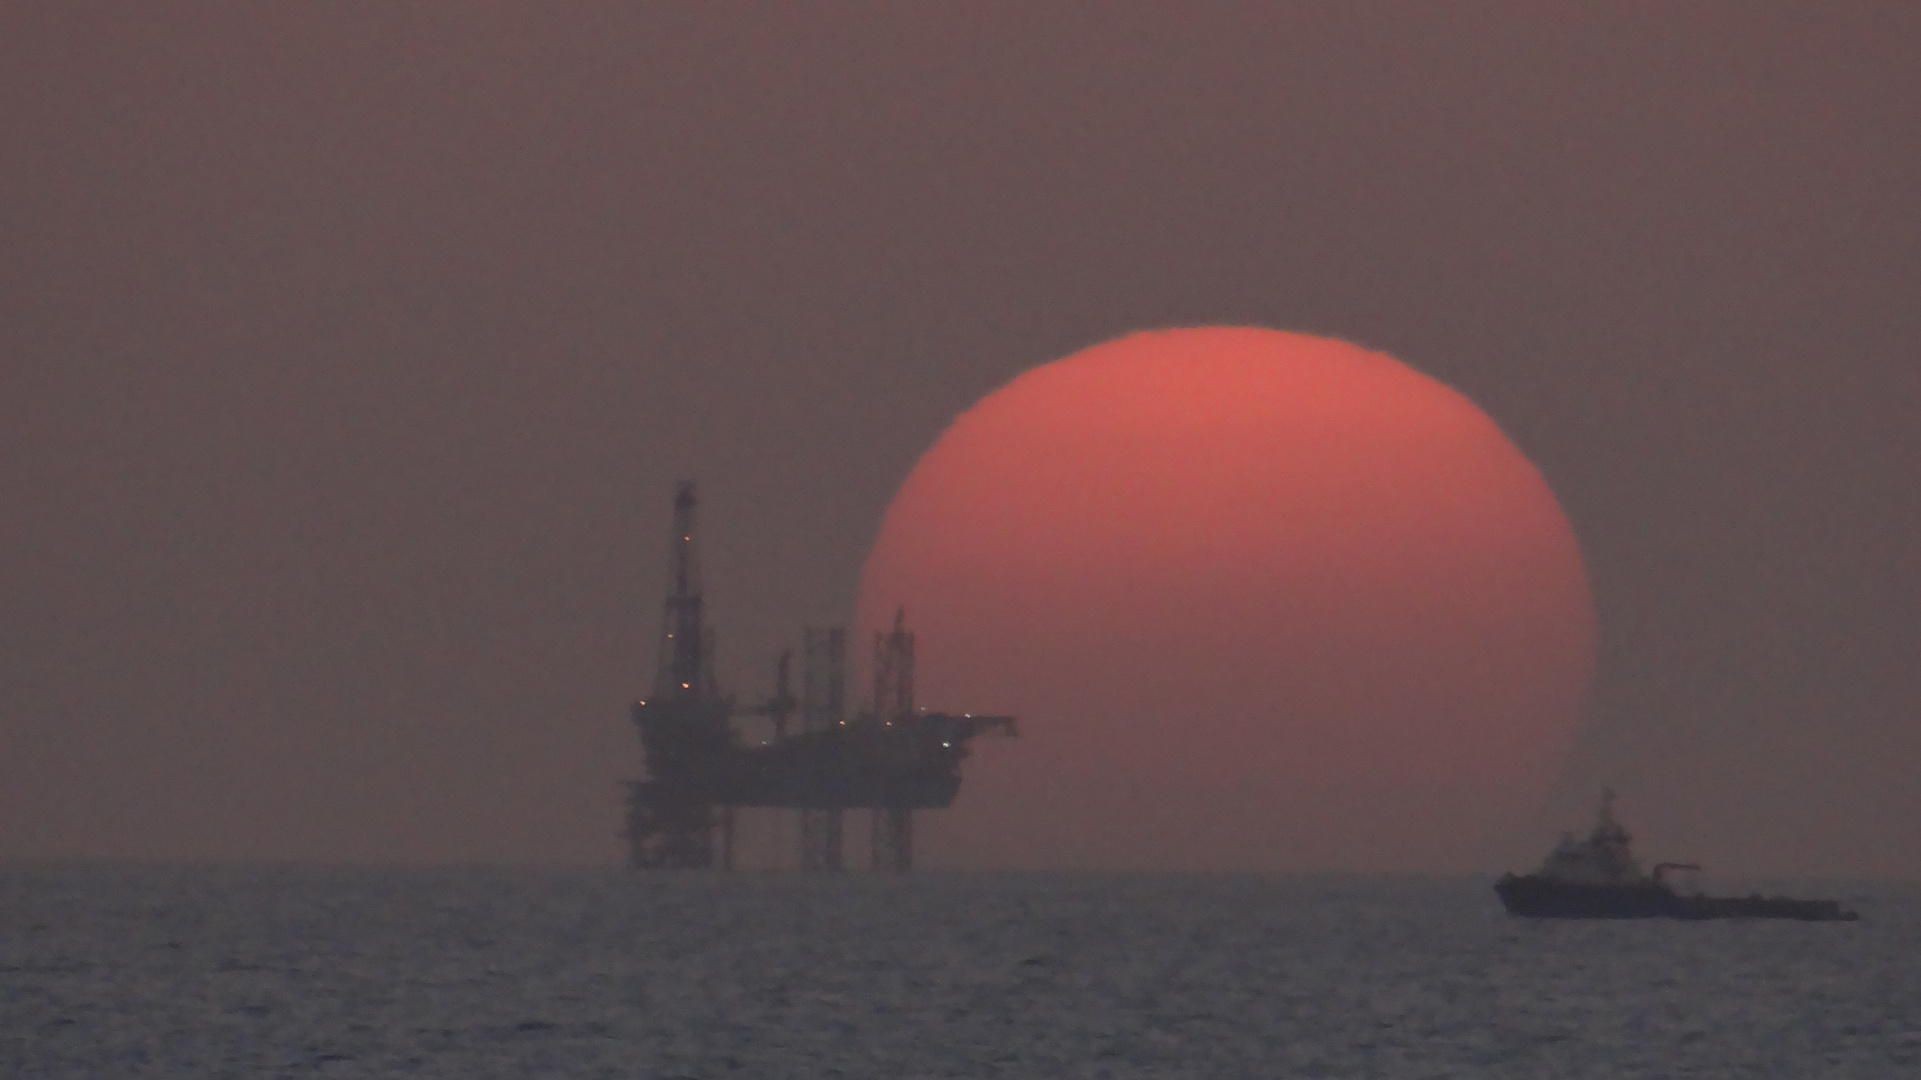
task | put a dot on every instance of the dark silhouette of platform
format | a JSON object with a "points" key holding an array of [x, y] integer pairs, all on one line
{"points": [[892, 759]]}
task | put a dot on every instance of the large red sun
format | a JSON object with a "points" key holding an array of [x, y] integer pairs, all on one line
{"points": [[1262, 601]]}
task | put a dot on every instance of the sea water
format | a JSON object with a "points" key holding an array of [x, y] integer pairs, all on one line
{"points": [[471, 973]]}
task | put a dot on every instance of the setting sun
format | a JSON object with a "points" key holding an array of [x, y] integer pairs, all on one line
{"points": [[1263, 601]]}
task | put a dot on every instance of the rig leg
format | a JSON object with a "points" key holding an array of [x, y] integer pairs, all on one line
{"points": [[820, 843], [668, 828], [893, 839]]}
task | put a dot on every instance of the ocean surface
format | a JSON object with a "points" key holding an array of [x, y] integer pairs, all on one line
{"points": [[260, 972]]}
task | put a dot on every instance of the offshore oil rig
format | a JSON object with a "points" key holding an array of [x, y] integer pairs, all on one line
{"points": [[890, 760]]}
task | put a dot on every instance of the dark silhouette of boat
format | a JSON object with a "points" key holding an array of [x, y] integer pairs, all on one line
{"points": [[1599, 878]]}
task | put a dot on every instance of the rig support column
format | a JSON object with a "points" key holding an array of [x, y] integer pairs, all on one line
{"points": [[668, 828], [726, 817], [893, 826], [893, 841], [823, 704], [820, 841]]}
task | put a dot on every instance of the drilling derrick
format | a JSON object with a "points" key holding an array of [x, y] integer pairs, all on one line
{"points": [[682, 667], [683, 725], [891, 761]]}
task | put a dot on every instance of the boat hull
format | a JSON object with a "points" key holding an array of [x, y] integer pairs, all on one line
{"points": [[1534, 896]]}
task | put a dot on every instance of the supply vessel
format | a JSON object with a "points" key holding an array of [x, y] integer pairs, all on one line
{"points": [[1599, 878]]}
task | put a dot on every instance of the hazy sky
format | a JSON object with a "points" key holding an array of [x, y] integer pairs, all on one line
{"points": [[349, 352]]}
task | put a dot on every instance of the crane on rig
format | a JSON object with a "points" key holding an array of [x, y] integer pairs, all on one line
{"points": [[891, 759]]}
